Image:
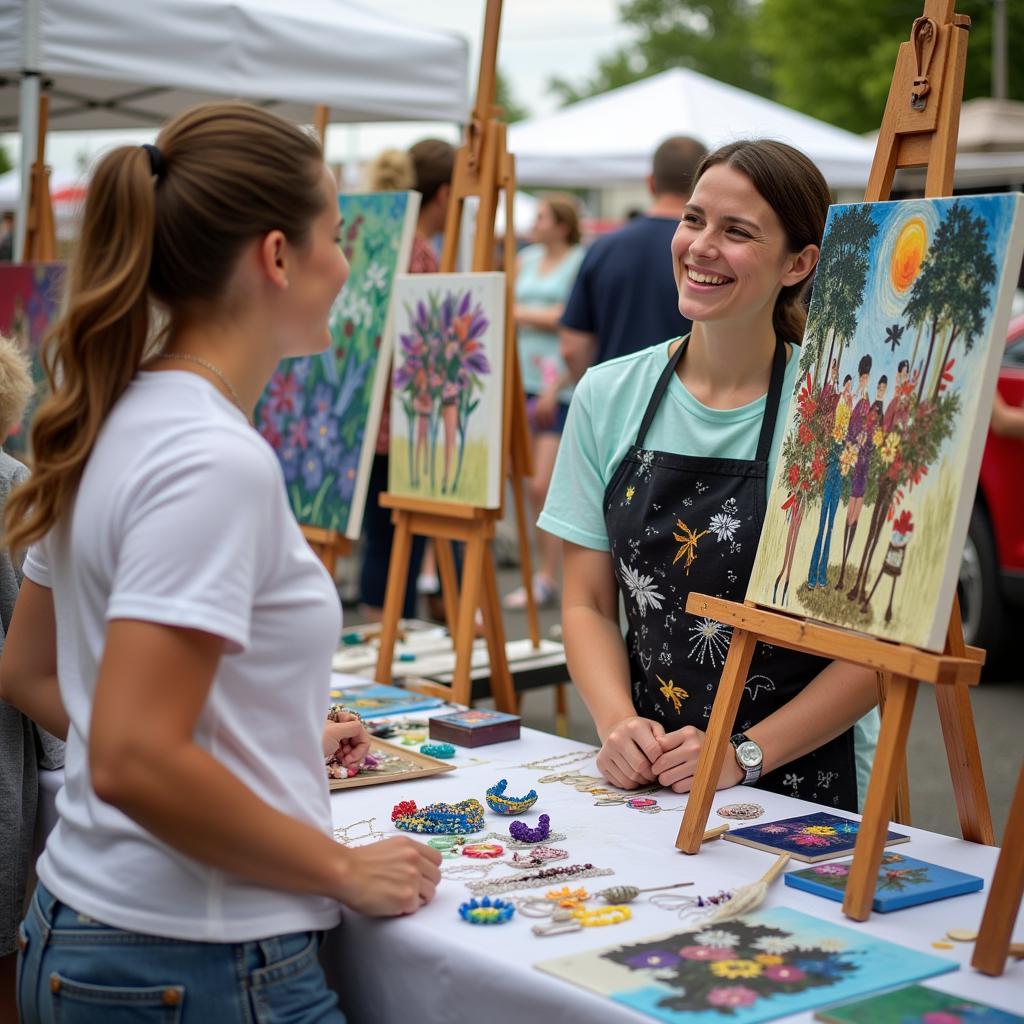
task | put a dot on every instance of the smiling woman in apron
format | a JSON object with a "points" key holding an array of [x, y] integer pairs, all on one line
{"points": [[660, 489]]}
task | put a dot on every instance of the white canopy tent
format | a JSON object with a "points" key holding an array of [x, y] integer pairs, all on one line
{"points": [[609, 139], [110, 64]]}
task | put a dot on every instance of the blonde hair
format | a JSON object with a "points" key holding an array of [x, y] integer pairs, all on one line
{"points": [[390, 171], [16, 385], [230, 174]]}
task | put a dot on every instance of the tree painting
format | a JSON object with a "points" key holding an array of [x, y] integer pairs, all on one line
{"points": [[884, 432], [447, 388]]}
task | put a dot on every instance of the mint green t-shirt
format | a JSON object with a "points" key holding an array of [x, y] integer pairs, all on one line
{"points": [[602, 425], [539, 353]]}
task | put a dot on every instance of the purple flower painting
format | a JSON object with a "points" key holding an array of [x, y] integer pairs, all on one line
{"points": [[447, 397]]}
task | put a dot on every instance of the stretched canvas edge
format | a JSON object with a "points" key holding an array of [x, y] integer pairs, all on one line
{"points": [[936, 639], [357, 506]]}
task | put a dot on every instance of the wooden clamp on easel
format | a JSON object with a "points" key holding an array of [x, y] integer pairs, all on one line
{"points": [[483, 168], [919, 127], [40, 232]]}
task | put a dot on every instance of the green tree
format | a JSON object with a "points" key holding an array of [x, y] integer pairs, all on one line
{"points": [[714, 37], [951, 293], [839, 282], [835, 60], [511, 109], [5, 161]]}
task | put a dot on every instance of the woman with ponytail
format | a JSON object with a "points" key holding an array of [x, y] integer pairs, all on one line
{"points": [[173, 623]]}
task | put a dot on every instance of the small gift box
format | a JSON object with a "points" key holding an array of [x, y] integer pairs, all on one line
{"points": [[475, 728]]}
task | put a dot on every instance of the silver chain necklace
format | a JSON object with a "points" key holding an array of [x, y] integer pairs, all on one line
{"points": [[189, 358]]}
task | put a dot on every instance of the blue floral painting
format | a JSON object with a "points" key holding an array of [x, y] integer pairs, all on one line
{"points": [[758, 968], [321, 413]]}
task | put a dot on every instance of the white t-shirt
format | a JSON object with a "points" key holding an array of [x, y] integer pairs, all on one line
{"points": [[181, 518]]}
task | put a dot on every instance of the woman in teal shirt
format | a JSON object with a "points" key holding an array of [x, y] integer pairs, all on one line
{"points": [[545, 276], [660, 488]]}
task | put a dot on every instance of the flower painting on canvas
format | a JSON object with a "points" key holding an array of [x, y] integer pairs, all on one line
{"points": [[875, 481], [448, 388]]}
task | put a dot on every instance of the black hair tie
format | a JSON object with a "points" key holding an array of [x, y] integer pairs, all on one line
{"points": [[157, 164]]}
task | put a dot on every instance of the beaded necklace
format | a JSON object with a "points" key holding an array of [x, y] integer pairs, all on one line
{"points": [[537, 879]]}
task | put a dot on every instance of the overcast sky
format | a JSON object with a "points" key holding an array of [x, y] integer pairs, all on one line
{"points": [[539, 38]]}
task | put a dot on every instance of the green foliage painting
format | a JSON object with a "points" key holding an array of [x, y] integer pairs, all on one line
{"points": [[874, 484], [321, 413]]}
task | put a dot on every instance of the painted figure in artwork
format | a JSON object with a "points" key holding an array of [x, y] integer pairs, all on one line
{"points": [[872, 438], [817, 575], [853, 461]]}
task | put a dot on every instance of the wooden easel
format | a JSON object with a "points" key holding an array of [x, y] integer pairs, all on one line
{"points": [[40, 232], [483, 167], [919, 127]]}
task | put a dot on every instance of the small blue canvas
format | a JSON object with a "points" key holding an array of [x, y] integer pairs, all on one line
{"points": [[474, 718], [902, 882], [807, 837], [757, 968], [377, 701]]}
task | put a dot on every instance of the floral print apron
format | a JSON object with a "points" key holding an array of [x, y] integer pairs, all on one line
{"points": [[681, 523]]}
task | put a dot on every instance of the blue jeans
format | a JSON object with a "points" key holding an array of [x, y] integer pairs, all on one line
{"points": [[74, 970], [817, 575]]}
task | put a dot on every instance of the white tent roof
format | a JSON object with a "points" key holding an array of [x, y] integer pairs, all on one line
{"points": [[609, 139], [118, 64]]}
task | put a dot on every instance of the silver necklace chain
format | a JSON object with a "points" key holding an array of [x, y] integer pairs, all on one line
{"points": [[189, 358]]}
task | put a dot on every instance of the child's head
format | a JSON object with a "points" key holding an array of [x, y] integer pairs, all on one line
{"points": [[16, 386]]}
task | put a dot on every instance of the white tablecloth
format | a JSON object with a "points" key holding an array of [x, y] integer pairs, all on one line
{"points": [[433, 967]]}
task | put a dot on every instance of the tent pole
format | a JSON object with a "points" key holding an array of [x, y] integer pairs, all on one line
{"points": [[29, 126]]}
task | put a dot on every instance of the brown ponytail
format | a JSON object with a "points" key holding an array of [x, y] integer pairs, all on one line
{"points": [[233, 173]]}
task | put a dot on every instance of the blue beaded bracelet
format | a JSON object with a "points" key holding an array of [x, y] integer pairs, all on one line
{"points": [[443, 750], [486, 911], [501, 804]]}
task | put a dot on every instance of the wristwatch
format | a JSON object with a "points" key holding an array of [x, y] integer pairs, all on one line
{"points": [[749, 757]]}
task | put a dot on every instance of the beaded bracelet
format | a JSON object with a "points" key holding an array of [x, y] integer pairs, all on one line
{"points": [[442, 750], [443, 843], [537, 879], [601, 916], [441, 818], [486, 911], [568, 898], [539, 855], [501, 804], [521, 844], [521, 831], [483, 851]]}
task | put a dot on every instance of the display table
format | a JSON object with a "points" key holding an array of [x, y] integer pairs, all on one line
{"points": [[434, 967]]}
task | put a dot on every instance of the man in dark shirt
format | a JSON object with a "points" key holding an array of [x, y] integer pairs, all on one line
{"points": [[625, 296]]}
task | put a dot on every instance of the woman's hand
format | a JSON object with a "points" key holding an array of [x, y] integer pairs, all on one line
{"points": [[628, 752], [392, 877], [346, 740], [544, 410], [676, 766]]}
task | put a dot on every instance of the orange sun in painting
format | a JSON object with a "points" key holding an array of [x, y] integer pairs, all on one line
{"points": [[908, 253]]}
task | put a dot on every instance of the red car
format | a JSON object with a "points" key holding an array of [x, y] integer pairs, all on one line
{"points": [[992, 569]]}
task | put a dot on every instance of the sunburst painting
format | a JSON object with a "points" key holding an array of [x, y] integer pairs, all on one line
{"points": [[874, 485]]}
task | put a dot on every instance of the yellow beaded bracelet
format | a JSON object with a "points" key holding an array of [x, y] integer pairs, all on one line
{"points": [[601, 916]]}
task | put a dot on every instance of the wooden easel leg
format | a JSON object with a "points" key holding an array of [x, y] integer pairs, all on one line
{"points": [[465, 626], [525, 558], [892, 746], [394, 596], [561, 710], [901, 805], [1005, 893], [716, 742], [502, 688], [957, 719], [449, 581]]}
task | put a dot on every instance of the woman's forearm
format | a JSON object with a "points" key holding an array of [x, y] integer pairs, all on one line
{"points": [[188, 799], [542, 318], [40, 700], [829, 705], [598, 665]]}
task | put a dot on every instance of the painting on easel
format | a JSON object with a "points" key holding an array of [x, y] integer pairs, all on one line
{"points": [[448, 388], [30, 296], [321, 413], [874, 485]]}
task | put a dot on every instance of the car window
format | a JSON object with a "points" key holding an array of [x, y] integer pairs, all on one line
{"points": [[1014, 354]]}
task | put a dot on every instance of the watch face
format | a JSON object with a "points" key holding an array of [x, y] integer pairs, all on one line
{"points": [[749, 754]]}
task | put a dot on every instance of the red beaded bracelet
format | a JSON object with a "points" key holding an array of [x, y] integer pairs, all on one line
{"points": [[402, 808]]}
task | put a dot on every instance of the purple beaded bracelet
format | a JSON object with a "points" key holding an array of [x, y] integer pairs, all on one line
{"points": [[521, 831]]}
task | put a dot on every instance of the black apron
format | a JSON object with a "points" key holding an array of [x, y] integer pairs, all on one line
{"points": [[682, 523]]}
